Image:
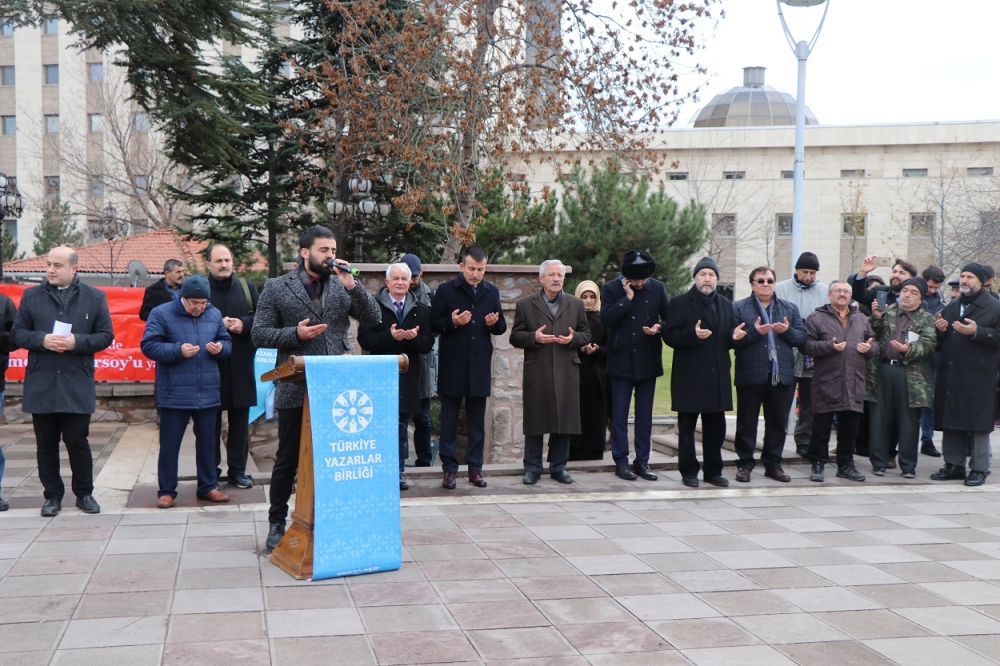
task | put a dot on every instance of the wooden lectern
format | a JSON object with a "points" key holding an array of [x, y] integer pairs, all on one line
{"points": [[295, 552]]}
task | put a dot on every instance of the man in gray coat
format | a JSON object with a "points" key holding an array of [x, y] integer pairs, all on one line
{"points": [[808, 293], [305, 312], [422, 293], [550, 326], [62, 323]]}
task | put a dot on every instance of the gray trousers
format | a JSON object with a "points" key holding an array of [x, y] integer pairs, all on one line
{"points": [[955, 444], [892, 406], [804, 419], [558, 453]]}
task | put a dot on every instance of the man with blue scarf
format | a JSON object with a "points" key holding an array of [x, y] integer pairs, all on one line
{"points": [[765, 362]]}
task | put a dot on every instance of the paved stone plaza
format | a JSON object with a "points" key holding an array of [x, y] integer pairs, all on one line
{"points": [[886, 572]]}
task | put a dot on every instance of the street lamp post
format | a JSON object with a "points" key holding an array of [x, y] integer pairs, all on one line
{"points": [[11, 206], [110, 227], [801, 49], [359, 208]]}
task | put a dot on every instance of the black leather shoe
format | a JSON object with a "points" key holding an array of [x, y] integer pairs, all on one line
{"points": [[802, 452], [949, 473], [403, 484], [976, 478], [743, 474], [449, 481], [476, 478], [531, 478], [720, 481], [274, 535], [88, 504], [777, 474], [644, 472], [51, 508], [690, 481], [928, 449], [3, 505], [562, 477], [623, 472], [240, 481]]}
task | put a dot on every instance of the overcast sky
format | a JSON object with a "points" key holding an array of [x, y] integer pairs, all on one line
{"points": [[876, 61]]}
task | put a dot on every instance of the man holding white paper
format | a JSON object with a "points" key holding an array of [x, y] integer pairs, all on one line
{"points": [[62, 324], [900, 379]]}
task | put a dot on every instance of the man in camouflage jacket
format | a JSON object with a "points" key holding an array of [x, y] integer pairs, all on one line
{"points": [[900, 379]]}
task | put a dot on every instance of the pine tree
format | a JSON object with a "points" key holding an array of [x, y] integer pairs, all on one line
{"points": [[10, 251], [56, 228], [607, 214]]}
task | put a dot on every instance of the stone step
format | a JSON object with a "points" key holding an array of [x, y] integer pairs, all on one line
{"points": [[668, 445]]}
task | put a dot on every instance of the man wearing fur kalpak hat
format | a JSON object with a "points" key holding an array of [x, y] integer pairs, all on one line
{"points": [[700, 329], [634, 306]]}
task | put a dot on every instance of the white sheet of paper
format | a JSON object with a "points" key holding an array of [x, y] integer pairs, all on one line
{"points": [[61, 328], [912, 337]]}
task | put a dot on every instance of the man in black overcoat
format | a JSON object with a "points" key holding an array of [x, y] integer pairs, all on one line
{"points": [[700, 330], [968, 338], [236, 298], [633, 307], [466, 312]]}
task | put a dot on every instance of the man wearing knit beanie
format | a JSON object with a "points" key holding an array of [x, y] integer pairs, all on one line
{"points": [[808, 293], [968, 338]]}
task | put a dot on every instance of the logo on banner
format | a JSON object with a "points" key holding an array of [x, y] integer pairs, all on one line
{"points": [[352, 411]]}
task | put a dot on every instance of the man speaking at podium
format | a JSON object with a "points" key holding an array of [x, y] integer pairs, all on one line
{"points": [[305, 313]]}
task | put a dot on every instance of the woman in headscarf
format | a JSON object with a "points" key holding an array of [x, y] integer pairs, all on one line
{"points": [[591, 443]]}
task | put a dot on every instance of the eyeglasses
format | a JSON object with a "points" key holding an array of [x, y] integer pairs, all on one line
{"points": [[763, 281], [196, 305], [840, 291]]}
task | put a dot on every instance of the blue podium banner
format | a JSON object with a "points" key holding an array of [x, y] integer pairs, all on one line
{"points": [[263, 360], [354, 409]]}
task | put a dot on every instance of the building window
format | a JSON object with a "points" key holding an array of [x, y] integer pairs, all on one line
{"points": [[142, 185], [97, 186], [788, 174], [855, 225], [52, 186], [9, 124], [724, 224], [852, 173], [51, 75], [678, 176], [979, 171], [141, 122], [7, 28], [734, 175], [921, 224], [140, 226], [914, 173], [51, 26], [10, 228], [784, 222], [52, 124], [96, 123], [96, 71], [7, 76]]}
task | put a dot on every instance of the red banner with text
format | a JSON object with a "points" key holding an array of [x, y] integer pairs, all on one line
{"points": [[122, 361]]}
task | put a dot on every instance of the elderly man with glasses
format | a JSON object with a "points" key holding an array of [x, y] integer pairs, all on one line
{"points": [[765, 362]]}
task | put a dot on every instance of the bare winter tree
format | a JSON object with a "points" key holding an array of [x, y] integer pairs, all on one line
{"points": [[440, 91], [952, 214]]}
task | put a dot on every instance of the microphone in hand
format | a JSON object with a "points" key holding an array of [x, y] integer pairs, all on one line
{"points": [[340, 266]]}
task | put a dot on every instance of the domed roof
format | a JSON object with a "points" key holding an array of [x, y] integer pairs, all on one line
{"points": [[753, 104]]}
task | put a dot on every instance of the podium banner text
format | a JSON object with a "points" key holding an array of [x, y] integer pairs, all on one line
{"points": [[354, 409]]}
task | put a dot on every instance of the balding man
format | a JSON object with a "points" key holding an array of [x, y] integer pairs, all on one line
{"points": [[62, 323], [236, 298]]}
